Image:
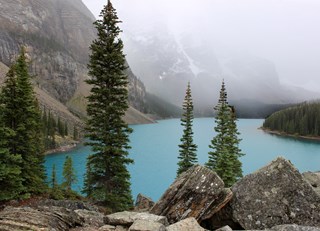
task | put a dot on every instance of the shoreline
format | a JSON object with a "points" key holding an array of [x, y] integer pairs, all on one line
{"points": [[63, 148], [283, 134]]}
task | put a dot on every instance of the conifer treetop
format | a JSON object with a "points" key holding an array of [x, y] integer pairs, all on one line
{"points": [[225, 153]]}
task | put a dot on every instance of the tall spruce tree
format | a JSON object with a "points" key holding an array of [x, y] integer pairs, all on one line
{"points": [[188, 155], [108, 179], [66, 130], [21, 115], [68, 174], [60, 127], [75, 133], [225, 154], [10, 169], [54, 182]]}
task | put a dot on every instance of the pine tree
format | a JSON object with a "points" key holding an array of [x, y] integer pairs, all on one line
{"points": [[45, 121], [55, 192], [75, 133], [68, 174], [234, 142], [10, 170], [54, 182], [51, 131], [88, 186], [66, 130], [22, 116], [108, 181], [225, 154], [60, 127], [188, 149]]}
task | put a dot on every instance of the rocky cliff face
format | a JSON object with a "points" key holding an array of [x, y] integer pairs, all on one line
{"points": [[57, 34]]}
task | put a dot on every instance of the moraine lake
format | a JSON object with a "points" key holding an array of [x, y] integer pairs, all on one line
{"points": [[155, 151]]}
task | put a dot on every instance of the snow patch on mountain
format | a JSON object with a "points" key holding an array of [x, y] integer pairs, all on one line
{"points": [[193, 67]]}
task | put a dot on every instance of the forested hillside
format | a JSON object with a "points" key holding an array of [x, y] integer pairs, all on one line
{"points": [[302, 119]]}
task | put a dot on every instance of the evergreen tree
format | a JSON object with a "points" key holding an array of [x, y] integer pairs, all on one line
{"points": [[68, 174], [45, 121], [108, 181], [66, 132], [54, 182], [75, 133], [188, 149], [22, 116], [88, 186], [224, 157], [60, 127], [234, 142], [10, 170], [51, 131], [55, 192]]}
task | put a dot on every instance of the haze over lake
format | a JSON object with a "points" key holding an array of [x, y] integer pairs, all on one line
{"points": [[155, 151]]}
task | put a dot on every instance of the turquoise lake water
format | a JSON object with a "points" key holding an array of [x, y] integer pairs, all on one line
{"points": [[155, 151]]}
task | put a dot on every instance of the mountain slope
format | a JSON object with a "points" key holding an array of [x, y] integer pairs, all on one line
{"points": [[166, 60], [48, 102], [57, 34]]}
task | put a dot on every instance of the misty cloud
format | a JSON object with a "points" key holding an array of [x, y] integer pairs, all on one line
{"points": [[282, 31]]}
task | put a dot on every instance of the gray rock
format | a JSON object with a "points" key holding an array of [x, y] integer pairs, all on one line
{"points": [[314, 179], [121, 228], [46, 218], [143, 203], [107, 228], [112, 228], [87, 228], [294, 228], [224, 228], [127, 218], [198, 193], [274, 195], [188, 224], [222, 218], [68, 204], [91, 218], [145, 225]]}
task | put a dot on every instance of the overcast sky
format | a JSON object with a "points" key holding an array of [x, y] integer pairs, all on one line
{"points": [[284, 31]]}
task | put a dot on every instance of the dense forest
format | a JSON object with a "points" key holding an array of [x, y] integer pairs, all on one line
{"points": [[55, 130], [302, 119]]}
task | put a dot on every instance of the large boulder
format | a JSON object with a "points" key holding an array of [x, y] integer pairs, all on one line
{"points": [[188, 224], [198, 193], [128, 218], [44, 218], [224, 228], [143, 203], [145, 225], [112, 228], [68, 204], [314, 180], [294, 228], [91, 218], [276, 194]]}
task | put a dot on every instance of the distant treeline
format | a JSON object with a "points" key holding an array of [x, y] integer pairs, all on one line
{"points": [[53, 127], [302, 119]]}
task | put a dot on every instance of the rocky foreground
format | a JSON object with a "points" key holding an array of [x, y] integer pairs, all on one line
{"points": [[276, 198]]}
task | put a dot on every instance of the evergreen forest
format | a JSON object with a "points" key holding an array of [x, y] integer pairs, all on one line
{"points": [[55, 130], [301, 120]]}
